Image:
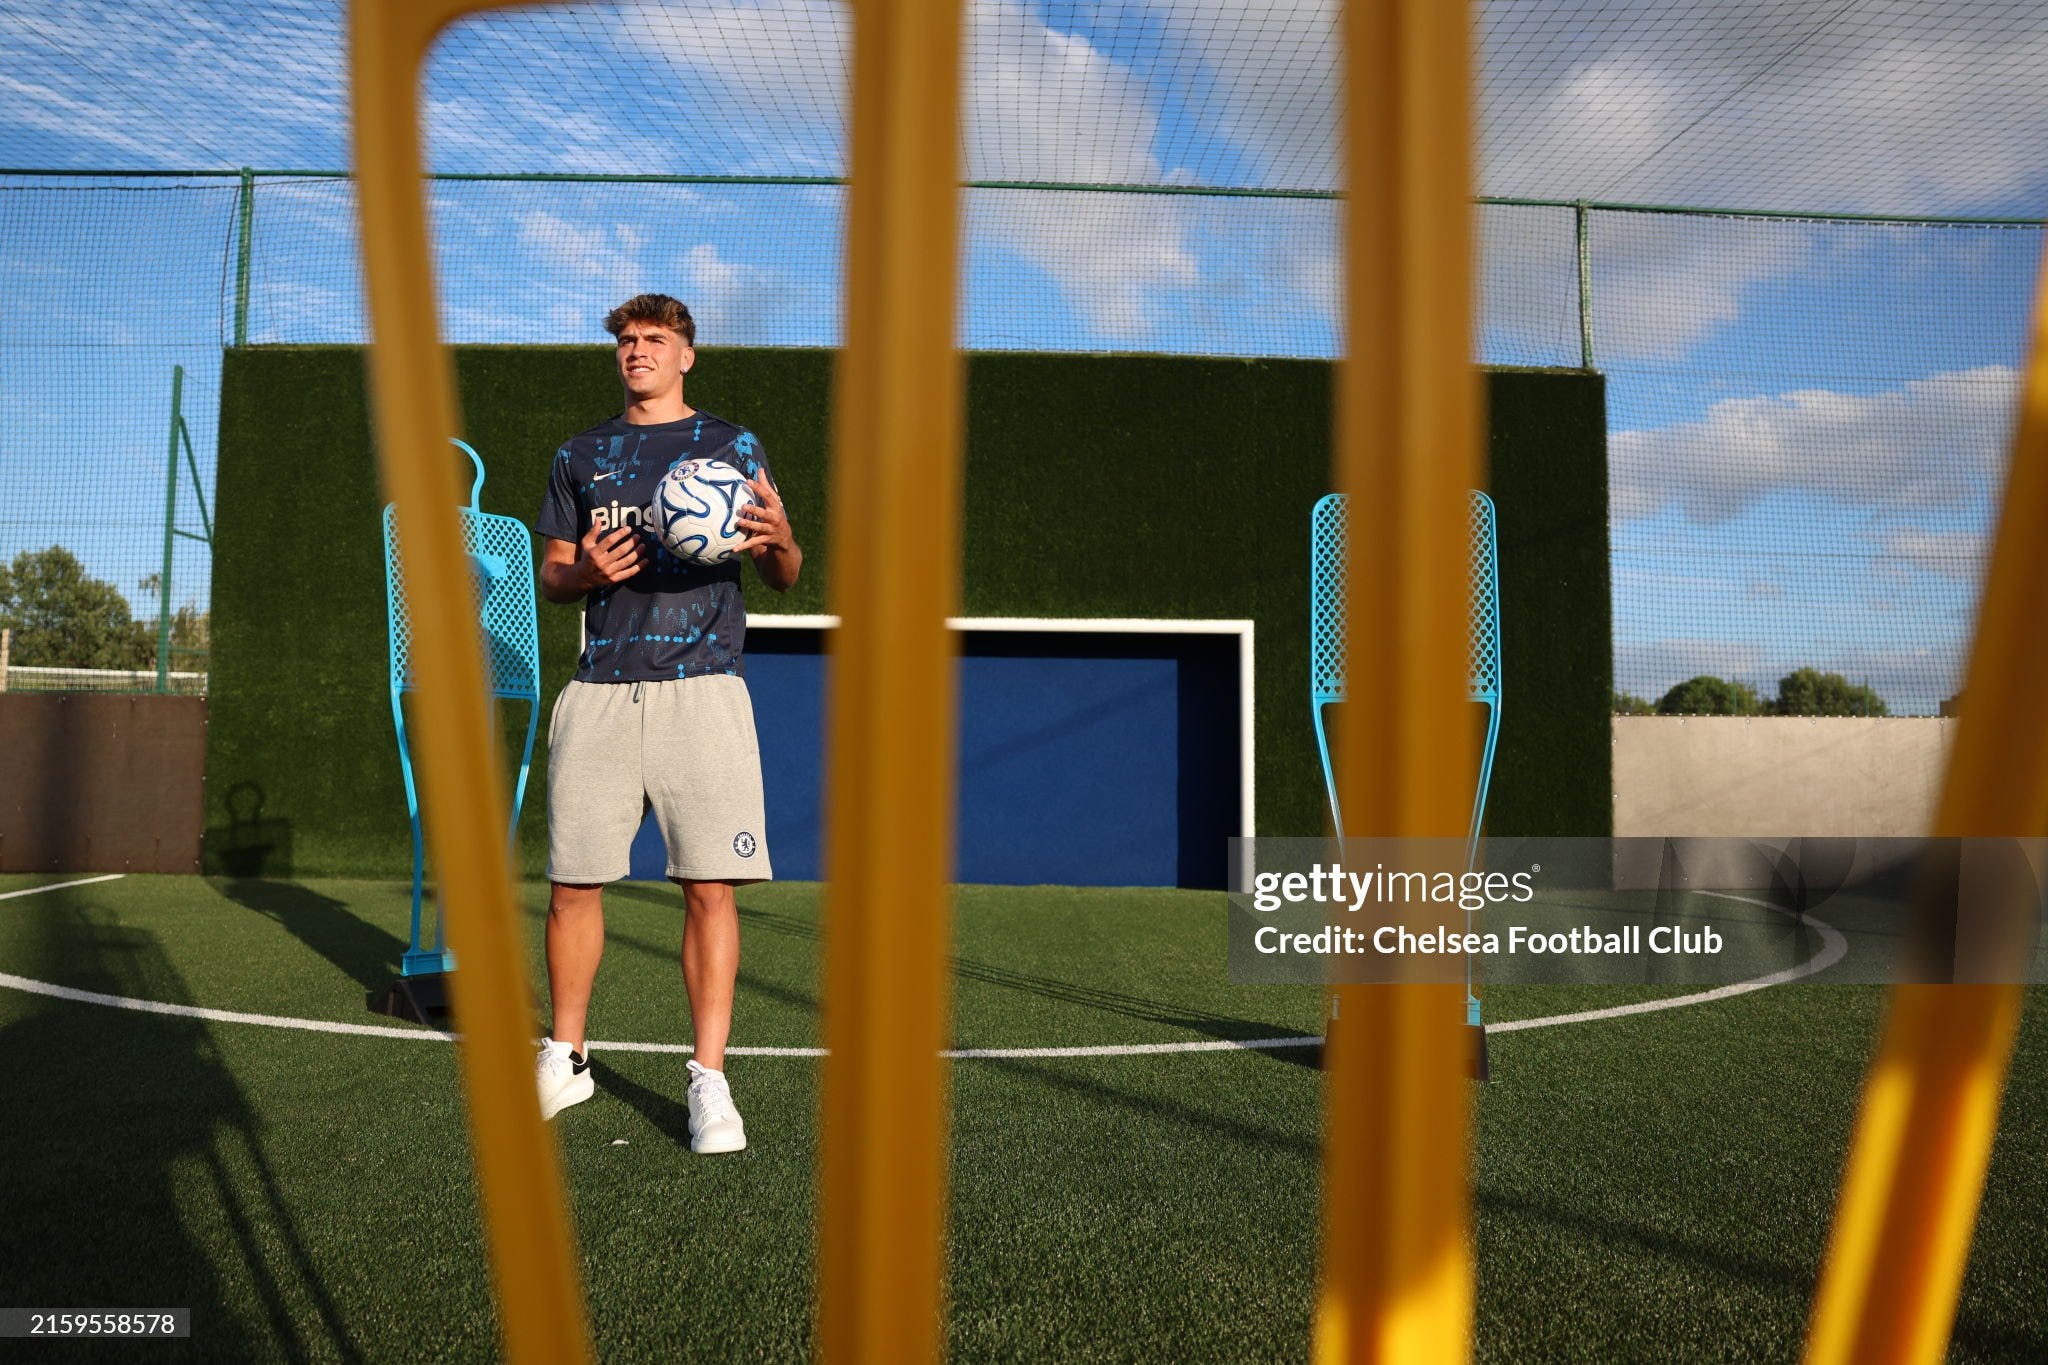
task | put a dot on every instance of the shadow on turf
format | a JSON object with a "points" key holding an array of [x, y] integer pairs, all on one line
{"points": [[671, 1116], [126, 1140], [1796, 1282], [665, 1113], [1121, 1003], [1220, 1122], [327, 926], [248, 846]]}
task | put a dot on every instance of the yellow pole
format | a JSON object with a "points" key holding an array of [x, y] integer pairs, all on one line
{"points": [[895, 555], [1916, 1166], [540, 1304], [1397, 1254]]}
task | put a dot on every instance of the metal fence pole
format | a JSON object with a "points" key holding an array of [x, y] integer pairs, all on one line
{"points": [[245, 225], [163, 587], [1583, 253]]}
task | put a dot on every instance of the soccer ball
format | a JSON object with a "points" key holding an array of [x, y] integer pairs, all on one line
{"points": [[696, 510]]}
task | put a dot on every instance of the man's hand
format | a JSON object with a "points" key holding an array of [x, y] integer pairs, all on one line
{"points": [[603, 559], [766, 522], [777, 557]]}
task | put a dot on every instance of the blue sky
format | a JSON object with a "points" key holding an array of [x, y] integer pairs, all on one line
{"points": [[1807, 420]]}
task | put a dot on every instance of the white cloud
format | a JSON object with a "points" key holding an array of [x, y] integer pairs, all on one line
{"points": [[608, 253], [1939, 108], [1049, 106], [1928, 109], [1933, 442], [1657, 291], [133, 85], [507, 126], [1040, 105], [765, 79], [736, 303], [1949, 554], [1761, 103], [1765, 104], [1263, 76], [1110, 256]]}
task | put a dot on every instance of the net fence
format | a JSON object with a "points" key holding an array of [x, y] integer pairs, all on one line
{"points": [[1886, 106], [1807, 414], [110, 356], [1807, 417], [1816, 486]]}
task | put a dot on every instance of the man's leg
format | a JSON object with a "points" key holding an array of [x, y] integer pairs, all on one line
{"points": [[711, 964], [575, 943]]}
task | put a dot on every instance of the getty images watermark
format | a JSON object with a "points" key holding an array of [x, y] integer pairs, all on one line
{"points": [[1337, 886], [1639, 911]]}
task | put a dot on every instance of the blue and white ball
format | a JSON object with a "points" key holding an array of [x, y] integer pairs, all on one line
{"points": [[696, 511]]}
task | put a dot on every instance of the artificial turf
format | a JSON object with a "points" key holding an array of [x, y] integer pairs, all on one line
{"points": [[1652, 1187]]}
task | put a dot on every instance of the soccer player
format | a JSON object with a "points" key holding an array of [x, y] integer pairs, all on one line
{"points": [[658, 714]]}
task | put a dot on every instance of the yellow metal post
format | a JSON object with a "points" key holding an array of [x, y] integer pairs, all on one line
{"points": [[1397, 1256], [1916, 1166], [539, 1302], [895, 553]]}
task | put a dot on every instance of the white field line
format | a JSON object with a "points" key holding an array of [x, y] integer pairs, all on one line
{"points": [[59, 886], [1833, 948], [123, 1002]]}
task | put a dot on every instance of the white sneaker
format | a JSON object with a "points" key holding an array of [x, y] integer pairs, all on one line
{"points": [[714, 1124], [564, 1077]]}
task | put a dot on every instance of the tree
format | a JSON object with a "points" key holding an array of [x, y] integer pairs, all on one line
{"points": [[1629, 704], [62, 617], [1810, 692], [1708, 695], [191, 628]]}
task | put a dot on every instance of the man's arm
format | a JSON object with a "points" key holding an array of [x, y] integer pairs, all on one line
{"points": [[777, 556], [569, 570]]}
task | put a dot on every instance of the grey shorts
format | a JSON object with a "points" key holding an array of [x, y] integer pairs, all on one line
{"points": [[684, 748]]}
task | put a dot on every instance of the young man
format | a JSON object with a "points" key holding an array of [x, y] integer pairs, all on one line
{"points": [[658, 714]]}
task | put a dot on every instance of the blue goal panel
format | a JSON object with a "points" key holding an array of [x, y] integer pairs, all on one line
{"points": [[1085, 759]]}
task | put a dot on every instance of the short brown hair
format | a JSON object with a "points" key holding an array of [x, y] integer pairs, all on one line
{"points": [[659, 309]]}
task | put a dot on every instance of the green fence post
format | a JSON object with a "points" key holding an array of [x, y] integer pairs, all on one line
{"points": [[163, 610], [245, 218], [1582, 241]]}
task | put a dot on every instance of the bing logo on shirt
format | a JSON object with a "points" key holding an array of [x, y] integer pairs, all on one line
{"points": [[605, 518]]}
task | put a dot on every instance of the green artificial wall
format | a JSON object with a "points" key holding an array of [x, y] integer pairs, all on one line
{"points": [[1096, 486]]}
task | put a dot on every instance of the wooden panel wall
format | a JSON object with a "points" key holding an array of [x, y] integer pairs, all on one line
{"points": [[100, 782]]}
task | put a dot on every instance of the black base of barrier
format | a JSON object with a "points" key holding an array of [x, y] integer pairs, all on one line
{"points": [[421, 999]]}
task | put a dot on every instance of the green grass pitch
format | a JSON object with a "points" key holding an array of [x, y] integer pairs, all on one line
{"points": [[1656, 1187]]}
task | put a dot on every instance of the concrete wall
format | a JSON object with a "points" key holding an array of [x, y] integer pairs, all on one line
{"points": [[1777, 776]]}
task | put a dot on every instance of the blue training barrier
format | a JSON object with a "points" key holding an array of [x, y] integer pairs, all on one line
{"points": [[500, 553], [1329, 648]]}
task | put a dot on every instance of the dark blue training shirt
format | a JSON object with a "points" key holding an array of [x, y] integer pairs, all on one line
{"points": [[670, 620]]}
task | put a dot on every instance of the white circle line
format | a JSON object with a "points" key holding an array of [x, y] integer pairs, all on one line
{"points": [[59, 886], [1833, 948]]}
